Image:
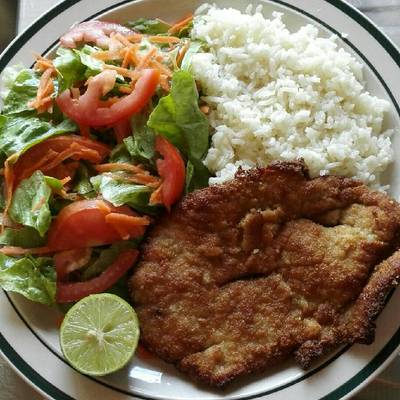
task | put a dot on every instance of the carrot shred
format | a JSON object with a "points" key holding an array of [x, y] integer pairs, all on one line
{"points": [[125, 89], [144, 179], [126, 225], [122, 71], [136, 37], [45, 89], [164, 39], [122, 39], [18, 251], [156, 196], [127, 57], [180, 24], [182, 53], [144, 62]]}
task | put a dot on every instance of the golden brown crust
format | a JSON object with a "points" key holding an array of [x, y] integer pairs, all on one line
{"points": [[271, 264]]}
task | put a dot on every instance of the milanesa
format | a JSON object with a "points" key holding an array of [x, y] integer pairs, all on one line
{"points": [[269, 265]]}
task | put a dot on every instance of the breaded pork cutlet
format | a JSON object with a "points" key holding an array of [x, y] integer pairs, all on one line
{"points": [[270, 265]]}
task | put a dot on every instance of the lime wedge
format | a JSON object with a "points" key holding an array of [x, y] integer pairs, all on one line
{"points": [[99, 334]]}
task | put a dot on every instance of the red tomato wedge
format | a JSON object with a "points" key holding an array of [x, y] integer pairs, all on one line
{"points": [[88, 109], [172, 171], [68, 292], [84, 224]]}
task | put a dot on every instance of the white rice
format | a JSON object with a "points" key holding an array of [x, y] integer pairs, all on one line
{"points": [[274, 95]]}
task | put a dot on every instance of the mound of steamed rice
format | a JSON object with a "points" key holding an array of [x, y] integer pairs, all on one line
{"points": [[274, 95]]}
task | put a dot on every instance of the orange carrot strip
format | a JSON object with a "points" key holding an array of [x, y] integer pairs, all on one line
{"points": [[122, 39], [180, 24], [122, 71], [164, 39], [146, 59], [182, 53], [156, 196], [163, 69], [164, 83], [126, 225], [136, 37], [18, 251], [205, 109]]}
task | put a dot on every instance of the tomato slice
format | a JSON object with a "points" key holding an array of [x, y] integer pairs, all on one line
{"points": [[84, 224], [68, 292], [172, 171], [89, 110]]}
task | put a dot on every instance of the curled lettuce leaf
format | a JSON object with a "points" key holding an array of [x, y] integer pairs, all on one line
{"points": [[149, 26], [19, 133], [30, 203], [22, 90], [121, 193], [34, 278]]}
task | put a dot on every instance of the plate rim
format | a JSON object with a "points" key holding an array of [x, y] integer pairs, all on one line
{"points": [[347, 388]]}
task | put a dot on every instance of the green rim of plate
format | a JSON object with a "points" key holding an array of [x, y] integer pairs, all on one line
{"points": [[346, 388]]}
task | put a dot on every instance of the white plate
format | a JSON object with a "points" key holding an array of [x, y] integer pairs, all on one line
{"points": [[29, 334]]}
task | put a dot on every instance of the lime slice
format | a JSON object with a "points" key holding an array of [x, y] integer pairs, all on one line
{"points": [[99, 334]]}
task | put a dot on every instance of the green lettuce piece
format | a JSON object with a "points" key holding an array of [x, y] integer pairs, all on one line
{"points": [[194, 48], [22, 91], [54, 183], [120, 154], [93, 66], [82, 183], [178, 117], [19, 133], [75, 65], [25, 237], [8, 77], [69, 68], [30, 203], [149, 26], [197, 175], [141, 144], [34, 278], [121, 193]]}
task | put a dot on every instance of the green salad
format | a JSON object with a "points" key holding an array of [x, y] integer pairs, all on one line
{"points": [[96, 141]]}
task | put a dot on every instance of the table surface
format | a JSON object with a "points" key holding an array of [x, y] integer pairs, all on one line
{"points": [[386, 14]]}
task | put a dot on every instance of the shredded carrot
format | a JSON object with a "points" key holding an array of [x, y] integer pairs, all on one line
{"points": [[125, 89], [65, 180], [180, 24], [144, 62], [126, 225], [106, 55], [143, 179], [127, 57], [182, 53], [122, 39], [39, 204], [122, 71], [136, 37], [45, 89], [18, 251], [164, 39], [109, 167], [103, 206], [156, 196], [161, 67]]}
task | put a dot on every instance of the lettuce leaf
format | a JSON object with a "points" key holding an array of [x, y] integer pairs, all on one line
{"points": [[121, 193], [25, 237], [30, 203], [75, 65], [178, 118], [22, 91], [19, 133], [141, 144], [34, 278], [82, 183], [148, 26]]}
